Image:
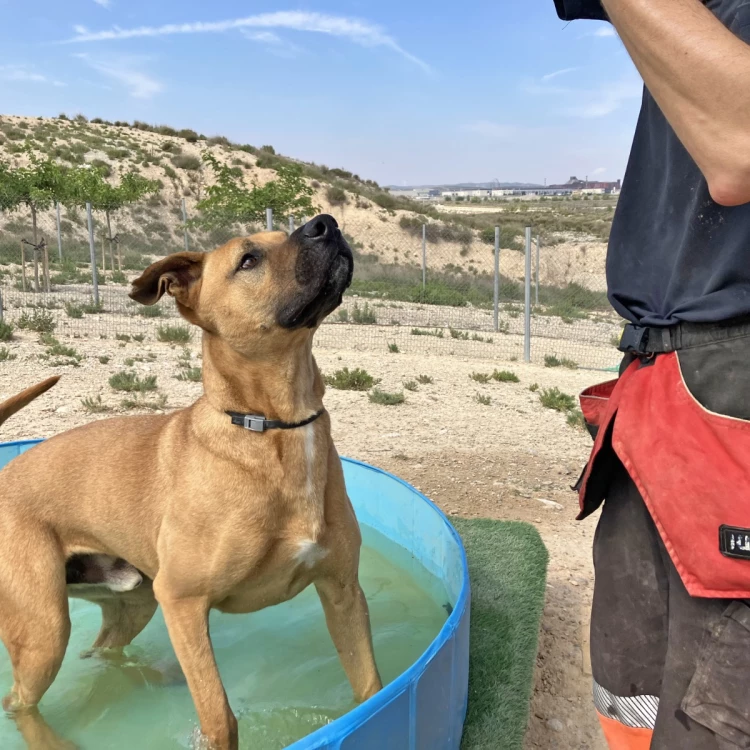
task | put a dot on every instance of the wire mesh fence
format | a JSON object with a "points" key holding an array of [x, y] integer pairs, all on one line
{"points": [[419, 286]]}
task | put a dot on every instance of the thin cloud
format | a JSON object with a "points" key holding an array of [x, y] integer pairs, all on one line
{"points": [[596, 172], [23, 74], [127, 72], [558, 73], [104, 3], [605, 100], [589, 102], [358, 31], [602, 32], [275, 44]]}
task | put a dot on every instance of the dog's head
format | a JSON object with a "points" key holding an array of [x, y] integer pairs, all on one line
{"points": [[255, 290]]}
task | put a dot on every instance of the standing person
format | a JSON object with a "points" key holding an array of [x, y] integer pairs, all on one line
{"points": [[670, 624]]}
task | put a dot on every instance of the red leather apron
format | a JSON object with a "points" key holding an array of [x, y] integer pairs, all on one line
{"points": [[691, 466]]}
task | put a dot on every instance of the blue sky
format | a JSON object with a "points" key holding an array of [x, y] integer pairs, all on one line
{"points": [[402, 92]]}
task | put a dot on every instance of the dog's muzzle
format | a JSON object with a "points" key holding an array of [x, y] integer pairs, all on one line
{"points": [[323, 270]]}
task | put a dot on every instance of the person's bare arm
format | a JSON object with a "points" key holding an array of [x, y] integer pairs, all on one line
{"points": [[699, 73]]}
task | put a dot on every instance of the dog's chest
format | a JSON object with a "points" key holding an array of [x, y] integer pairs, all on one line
{"points": [[309, 553]]}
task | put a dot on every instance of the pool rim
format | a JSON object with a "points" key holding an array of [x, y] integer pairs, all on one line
{"points": [[331, 734], [352, 720]]}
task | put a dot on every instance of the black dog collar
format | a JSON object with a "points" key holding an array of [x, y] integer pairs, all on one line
{"points": [[257, 423]]}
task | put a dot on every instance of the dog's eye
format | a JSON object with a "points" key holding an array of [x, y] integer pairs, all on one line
{"points": [[249, 261]]}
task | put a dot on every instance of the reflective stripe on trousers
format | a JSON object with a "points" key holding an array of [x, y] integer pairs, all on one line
{"points": [[627, 721]]}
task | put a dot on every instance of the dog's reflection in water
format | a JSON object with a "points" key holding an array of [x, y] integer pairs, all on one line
{"points": [[96, 578]]}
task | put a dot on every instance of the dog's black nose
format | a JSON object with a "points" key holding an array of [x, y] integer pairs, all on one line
{"points": [[320, 227]]}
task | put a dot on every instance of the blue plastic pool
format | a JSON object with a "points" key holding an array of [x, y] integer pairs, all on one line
{"points": [[423, 708]]}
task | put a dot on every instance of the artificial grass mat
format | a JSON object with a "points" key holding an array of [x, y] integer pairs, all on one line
{"points": [[508, 570]]}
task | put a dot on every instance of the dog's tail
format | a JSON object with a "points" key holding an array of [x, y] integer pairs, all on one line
{"points": [[16, 403]]}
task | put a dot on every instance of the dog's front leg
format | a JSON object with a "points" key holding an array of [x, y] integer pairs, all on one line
{"points": [[348, 620], [187, 623]]}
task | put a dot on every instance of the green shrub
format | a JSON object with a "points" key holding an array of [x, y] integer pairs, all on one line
{"points": [[385, 200], [554, 398], [575, 419], [424, 379], [94, 405], [6, 355], [141, 403], [103, 166], [480, 377], [104, 359], [336, 196], [550, 360], [363, 315], [73, 310], [437, 332], [40, 321], [6, 331], [484, 400], [128, 381], [118, 277], [343, 315], [176, 334], [393, 348], [186, 162], [351, 380], [193, 374], [456, 334], [386, 399], [505, 376], [411, 385], [150, 311]]}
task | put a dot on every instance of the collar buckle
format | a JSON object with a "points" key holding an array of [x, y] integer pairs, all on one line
{"points": [[254, 423]]}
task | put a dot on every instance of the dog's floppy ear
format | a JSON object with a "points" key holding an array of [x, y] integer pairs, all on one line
{"points": [[178, 275]]}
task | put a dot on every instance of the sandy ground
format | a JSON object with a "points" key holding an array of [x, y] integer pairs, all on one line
{"points": [[512, 459]]}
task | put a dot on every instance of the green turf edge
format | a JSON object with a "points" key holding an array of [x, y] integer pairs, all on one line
{"points": [[508, 571]]}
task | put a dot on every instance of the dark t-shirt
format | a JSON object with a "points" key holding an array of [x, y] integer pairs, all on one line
{"points": [[674, 254]]}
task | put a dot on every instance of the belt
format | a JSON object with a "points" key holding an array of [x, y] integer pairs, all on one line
{"points": [[647, 340]]}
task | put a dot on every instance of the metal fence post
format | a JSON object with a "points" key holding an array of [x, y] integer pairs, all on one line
{"points": [[424, 256], [269, 219], [527, 300], [94, 274], [59, 233], [184, 224], [496, 307], [1, 305], [291, 224], [537, 270]]}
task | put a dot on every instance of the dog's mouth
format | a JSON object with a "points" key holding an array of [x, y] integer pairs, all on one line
{"points": [[327, 271]]}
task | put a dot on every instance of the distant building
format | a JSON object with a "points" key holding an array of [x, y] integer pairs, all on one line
{"points": [[590, 187]]}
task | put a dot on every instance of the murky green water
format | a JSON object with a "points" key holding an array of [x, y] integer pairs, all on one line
{"points": [[279, 667]]}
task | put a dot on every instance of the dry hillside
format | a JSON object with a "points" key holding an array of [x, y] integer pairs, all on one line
{"points": [[384, 230]]}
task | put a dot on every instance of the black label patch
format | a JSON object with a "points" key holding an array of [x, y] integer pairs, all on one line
{"points": [[734, 542]]}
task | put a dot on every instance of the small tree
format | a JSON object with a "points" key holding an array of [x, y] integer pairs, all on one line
{"points": [[228, 201], [37, 187], [89, 186]]}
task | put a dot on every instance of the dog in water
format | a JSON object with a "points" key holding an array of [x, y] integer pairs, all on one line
{"points": [[235, 503]]}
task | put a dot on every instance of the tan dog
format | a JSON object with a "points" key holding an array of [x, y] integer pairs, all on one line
{"points": [[215, 515]]}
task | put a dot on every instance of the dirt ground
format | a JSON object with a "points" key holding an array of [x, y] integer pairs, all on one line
{"points": [[511, 459]]}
